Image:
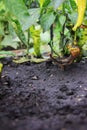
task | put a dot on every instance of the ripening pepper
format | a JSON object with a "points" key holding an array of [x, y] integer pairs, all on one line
{"points": [[81, 4]]}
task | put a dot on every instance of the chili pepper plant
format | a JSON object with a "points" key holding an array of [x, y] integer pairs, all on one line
{"points": [[27, 22]]}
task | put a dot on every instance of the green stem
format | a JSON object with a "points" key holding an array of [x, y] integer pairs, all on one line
{"points": [[51, 40], [62, 37], [28, 42]]}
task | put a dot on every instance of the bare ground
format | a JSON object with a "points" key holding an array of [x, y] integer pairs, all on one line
{"points": [[42, 97]]}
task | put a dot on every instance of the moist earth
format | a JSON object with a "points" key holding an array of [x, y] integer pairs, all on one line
{"points": [[43, 97]]}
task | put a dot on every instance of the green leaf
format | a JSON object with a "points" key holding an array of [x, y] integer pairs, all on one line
{"points": [[6, 54], [2, 7], [84, 49], [19, 10], [45, 37], [46, 3], [8, 41], [56, 3], [47, 20], [34, 16], [17, 27], [25, 17], [1, 29], [73, 17], [62, 19]]}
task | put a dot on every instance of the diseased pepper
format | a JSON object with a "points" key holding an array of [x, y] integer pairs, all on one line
{"points": [[81, 4], [74, 51]]}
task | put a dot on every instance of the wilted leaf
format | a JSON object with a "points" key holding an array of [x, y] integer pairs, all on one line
{"points": [[25, 59]]}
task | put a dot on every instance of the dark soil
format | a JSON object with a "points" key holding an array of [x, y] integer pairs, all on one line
{"points": [[43, 97]]}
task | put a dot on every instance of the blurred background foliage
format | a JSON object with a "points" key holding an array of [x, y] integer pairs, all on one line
{"points": [[26, 24]]}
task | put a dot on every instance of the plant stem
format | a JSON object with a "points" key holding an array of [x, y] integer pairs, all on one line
{"points": [[51, 38], [28, 42], [51, 41], [62, 36]]}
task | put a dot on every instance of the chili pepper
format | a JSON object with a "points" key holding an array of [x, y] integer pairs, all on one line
{"points": [[83, 26], [81, 4], [41, 3], [74, 50], [1, 67], [35, 34]]}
